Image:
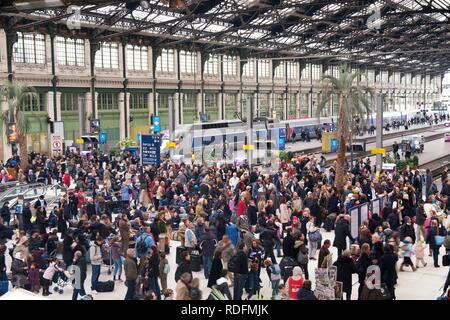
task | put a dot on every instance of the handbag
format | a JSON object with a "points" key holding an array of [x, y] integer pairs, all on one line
{"points": [[446, 260], [315, 236], [439, 240]]}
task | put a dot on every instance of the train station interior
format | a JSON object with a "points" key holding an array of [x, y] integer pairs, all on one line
{"points": [[191, 112]]}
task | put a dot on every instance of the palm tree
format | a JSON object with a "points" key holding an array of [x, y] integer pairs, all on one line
{"points": [[353, 101], [15, 94]]}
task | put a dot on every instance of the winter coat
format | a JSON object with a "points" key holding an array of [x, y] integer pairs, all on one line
{"points": [[208, 245], [387, 264], [304, 294], [215, 273], [345, 269], [183, 267], [342, 231]]}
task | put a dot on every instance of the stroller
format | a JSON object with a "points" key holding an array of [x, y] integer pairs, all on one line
{"points": [[106, 254], [61, 279]]}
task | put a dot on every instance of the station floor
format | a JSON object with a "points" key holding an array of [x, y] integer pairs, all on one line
{"points": [[424, 284]]}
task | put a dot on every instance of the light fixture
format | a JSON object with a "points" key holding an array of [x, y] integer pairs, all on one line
{"points": [[145, 5], [40, 4]]}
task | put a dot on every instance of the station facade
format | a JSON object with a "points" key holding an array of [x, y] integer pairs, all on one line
{"points": [[129, 82]]}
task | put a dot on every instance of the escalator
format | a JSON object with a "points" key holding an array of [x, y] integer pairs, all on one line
{"points": [[30, 193]]}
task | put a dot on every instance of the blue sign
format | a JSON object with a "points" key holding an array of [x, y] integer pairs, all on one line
{"points": [[156, 124], [282, 138], [334, 145], [102, 137], [150, 148]]}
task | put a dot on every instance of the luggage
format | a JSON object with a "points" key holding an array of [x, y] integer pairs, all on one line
{"points": [[4, 287], [105, 286], [446, 260], [180, 249], [196, 261]]}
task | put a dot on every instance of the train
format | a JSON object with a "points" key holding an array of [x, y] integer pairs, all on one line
{"points": [[231, 135]]}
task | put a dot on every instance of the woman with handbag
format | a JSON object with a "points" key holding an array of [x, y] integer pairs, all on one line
{"points": [[435, 239], [314, 237]]}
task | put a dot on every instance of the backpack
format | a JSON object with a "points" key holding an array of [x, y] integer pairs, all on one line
{"points": [[302, 257], [142, 246], [233, 264]]}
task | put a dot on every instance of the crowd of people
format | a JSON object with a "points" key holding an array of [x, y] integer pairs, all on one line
{"points": [[232, 221]]}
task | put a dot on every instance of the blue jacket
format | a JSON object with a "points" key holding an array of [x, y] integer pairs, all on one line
{"points": [[148, 241], [232, 232], [125, 192]]}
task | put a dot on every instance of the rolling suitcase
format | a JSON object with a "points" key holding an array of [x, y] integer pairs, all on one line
{"points": [[180, 249]]}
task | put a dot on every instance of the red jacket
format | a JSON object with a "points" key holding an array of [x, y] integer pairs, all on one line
{"points": [[242, 208], [66, 180]]}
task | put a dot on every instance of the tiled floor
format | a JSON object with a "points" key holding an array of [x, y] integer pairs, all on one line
{"points": [[424, 284]]}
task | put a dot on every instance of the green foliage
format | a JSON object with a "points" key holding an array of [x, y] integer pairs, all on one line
{"points": [[412, 163], [286, 156], [15, 94], [357, 99], [124, 143]]}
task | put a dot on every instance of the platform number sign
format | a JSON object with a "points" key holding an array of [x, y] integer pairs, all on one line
{"points": [[102, 137], [150, 149], [156, 124]]}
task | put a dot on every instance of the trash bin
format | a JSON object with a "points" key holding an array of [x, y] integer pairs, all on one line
{"points": [[196, 261]]}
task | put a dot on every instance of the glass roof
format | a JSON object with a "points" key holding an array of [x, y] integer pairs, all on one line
{"points": [[296, 28]]}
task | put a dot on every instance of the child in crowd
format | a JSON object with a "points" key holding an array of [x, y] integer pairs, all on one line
{"points": [[282, 295], [407, 252], [164, 269], [49, 273], [419, 251], [34, 278], [252, 285]]}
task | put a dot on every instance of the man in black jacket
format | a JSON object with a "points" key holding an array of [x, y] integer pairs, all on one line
{"points": [[267, 237], [240, 275], [26, 216], [420, 220], [208, 245], [184, 266], [341, 232], [252, 213], [407, 230]]}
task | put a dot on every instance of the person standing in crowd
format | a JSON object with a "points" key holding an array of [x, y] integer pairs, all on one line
{"points": [[124, 229], [95, 255], [305, 292], [433, 231], [342, 231], [294, 283], [131, 274], [207, 246], [116, 255], [240, 272], [387, 264], [362, 264], [79, 261], [345, 268]]}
